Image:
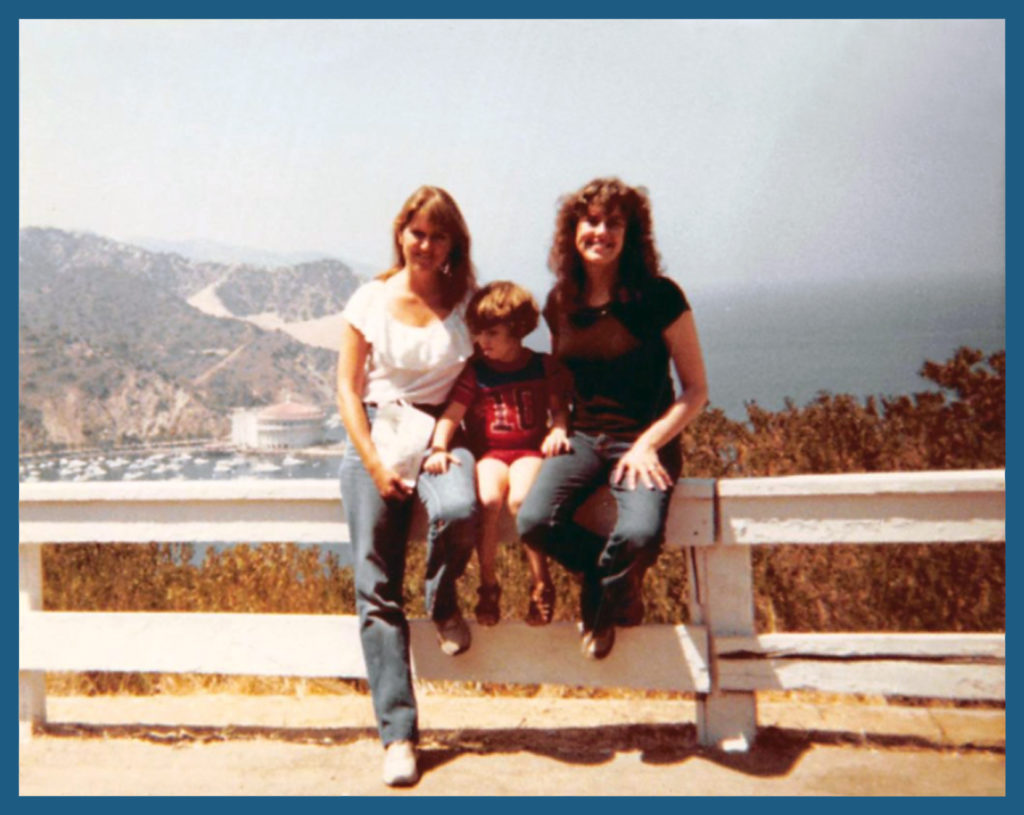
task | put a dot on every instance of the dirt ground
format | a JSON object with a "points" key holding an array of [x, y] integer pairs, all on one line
{"points": [[221, 744]]}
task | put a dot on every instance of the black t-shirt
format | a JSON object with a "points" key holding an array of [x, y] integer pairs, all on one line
{"points": [[618, 358]]}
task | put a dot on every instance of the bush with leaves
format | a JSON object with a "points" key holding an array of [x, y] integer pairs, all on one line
{"points": [[797, 588]]}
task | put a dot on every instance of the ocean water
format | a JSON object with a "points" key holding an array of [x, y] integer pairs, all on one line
{"points": [[192, 465], [864, 340]]}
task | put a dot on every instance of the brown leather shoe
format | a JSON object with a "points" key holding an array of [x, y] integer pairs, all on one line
{"points": [[598, 644], [453, 635]]}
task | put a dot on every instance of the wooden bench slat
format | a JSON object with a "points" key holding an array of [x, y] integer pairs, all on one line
{"points": [[656, 657]]}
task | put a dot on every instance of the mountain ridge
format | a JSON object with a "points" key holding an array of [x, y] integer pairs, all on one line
{"points": [[111, 351]]}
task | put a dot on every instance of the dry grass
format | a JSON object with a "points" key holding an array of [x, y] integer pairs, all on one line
{"points": [[115, 684], [804, 586], [959, 587]]}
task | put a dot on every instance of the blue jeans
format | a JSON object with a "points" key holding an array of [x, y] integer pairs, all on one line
{"points": [[379, 531], [545, 521]]}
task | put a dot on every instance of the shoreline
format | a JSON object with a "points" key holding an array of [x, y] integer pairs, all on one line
{"points": [[209, 448]]}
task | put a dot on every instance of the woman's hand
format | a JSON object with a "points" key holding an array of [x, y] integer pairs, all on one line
{"points": [[438, 461], [555, 442], [641, 461], [390, 484]]}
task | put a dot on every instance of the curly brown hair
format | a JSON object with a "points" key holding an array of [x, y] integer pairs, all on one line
{"points": [[443, 213], [503, 303], [639, 261]]}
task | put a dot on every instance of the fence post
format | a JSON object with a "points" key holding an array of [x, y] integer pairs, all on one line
{"points": [[31, 684], [722, 600]]}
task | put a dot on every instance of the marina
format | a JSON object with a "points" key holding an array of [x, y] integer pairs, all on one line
{"points": [[188, 460], [182, 465], [195, 464]]}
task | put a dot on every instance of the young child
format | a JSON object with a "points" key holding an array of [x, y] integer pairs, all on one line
{"points": [[505, 395]]}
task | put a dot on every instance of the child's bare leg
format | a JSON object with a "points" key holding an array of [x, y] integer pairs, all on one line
{"points": [[538, 566], [492, 487], [542, 592], [520, 478]]}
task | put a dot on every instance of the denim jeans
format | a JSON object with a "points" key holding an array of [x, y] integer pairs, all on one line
{"points": [[545, 520], [379, 531]]}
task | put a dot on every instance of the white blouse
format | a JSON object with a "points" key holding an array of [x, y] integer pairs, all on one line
{"points": [[418, 364]]}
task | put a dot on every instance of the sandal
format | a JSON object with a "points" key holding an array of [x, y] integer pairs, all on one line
{"points": [[487, 610], [542, 604]]}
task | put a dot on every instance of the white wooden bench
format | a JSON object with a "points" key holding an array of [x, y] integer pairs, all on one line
{"points": [[718, 656]]}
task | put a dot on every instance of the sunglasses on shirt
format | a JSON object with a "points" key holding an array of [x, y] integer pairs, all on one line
{"points": [[587, 316]]}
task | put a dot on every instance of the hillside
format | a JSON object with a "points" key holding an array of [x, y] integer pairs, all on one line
{"points": [[110, 350], [302, 292]]}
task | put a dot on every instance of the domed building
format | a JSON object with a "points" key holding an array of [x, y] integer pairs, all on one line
{"points": [[278, 427]]}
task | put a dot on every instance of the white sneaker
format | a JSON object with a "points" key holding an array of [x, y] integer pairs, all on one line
{"points": [[453, 634], [400, 764]]}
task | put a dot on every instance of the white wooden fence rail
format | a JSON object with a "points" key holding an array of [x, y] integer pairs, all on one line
{"points": [[719, 656]]}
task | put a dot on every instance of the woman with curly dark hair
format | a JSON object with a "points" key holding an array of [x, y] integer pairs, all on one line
{"points": [[619, 326]]}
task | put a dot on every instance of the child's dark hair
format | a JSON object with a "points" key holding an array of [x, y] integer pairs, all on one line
{"points": [[503, 303]]}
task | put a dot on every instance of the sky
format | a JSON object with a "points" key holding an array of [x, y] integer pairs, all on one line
{"points": [[774, 152]]}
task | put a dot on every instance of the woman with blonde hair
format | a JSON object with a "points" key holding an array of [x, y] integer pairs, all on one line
{"points": [[404, 342], [619, 326]]}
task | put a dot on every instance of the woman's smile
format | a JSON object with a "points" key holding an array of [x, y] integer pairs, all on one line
{"points": [[600, 236], [425, 247]]}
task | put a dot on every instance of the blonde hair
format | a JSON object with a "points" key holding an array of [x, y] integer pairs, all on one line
{"points": [[503, 303], [443, 213]]}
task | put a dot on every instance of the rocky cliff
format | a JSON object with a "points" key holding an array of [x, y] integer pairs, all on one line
{"points": [[110, 350]]}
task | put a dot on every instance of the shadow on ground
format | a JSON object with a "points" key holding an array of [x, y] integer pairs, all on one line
{"points": [[774, 753]]}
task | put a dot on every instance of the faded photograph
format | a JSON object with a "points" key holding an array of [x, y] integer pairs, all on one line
{"points": [[512, 407]]}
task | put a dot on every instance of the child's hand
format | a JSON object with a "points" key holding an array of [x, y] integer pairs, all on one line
{"points": [[437, 462], [555, 443]]}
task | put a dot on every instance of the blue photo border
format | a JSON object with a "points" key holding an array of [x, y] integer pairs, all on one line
{"points": [[529, 9]]}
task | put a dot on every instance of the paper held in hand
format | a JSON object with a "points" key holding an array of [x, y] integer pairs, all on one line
{"points": [[401, 433]]}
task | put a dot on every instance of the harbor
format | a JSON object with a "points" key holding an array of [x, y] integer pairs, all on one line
{"points": [[187, 459]]}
